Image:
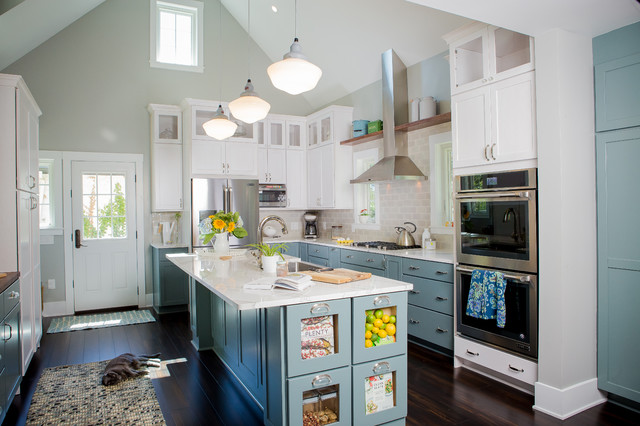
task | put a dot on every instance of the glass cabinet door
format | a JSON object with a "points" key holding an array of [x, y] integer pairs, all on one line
{"points": [[294, 135], [276, 134], [320, 399], [326, 129], [313, 133], [469, 60], [511, 50], [260, 139], [168, 127]]}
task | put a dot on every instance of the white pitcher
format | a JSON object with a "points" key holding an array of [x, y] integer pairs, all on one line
{"points": [[167, 231]]}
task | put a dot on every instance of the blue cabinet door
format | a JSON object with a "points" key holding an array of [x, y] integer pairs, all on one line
{"points": [[293, 249], [618, 175], [393, 267], [617, 85], [334, 257]]}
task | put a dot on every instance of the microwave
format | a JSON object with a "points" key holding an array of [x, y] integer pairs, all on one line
{"points": [[272, 195]]}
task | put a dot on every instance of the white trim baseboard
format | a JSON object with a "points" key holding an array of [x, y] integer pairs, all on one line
{"points": [[55, 309], [564, 403]]}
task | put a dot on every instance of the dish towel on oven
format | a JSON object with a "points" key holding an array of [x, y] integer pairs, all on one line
{"points": [[486, 296]]}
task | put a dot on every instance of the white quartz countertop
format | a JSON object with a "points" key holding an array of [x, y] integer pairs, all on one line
{"points": [[226, 278], [443, 256], [167, 246]]}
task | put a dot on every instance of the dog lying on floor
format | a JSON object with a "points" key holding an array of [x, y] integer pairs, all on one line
{"points": [[128, 365]]}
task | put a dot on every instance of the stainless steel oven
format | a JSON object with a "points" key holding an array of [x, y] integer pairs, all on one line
{"points": [[272, 195], [520, 332], [496, 220]]}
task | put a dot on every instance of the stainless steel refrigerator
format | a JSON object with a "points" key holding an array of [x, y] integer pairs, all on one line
{"points": [[209, 196]]}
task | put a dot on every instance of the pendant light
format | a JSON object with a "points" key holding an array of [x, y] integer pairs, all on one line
{"points": [[294, 74], [220, 127], [249, 107]]}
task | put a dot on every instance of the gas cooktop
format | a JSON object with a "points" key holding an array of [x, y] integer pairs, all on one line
{"points": [[383, 245]]}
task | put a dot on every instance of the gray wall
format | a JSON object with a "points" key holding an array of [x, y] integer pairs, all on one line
{"points": [[93, 83], [52, 267]]}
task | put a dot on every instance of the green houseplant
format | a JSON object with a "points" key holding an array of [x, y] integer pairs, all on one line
{"points": [[270, 254]]}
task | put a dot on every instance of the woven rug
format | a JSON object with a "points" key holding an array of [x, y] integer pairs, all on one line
{"points": [[74, 395], [111, 319]]}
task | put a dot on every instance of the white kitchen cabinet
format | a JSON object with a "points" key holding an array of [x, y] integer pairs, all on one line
{"points": [[296, 179], [320, 176], [295, 134], [320, 128], [166, 158], [272, 165], [275, 133], [200, 111], [20, 245], [483, 54], [495, 124], [214, 158]]}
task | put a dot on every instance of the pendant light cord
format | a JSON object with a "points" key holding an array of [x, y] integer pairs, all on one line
{"points": [[248, 39], [219, 67], [295, 18]]}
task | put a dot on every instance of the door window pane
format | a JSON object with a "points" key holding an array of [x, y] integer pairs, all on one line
{"points": [[104, 206]]}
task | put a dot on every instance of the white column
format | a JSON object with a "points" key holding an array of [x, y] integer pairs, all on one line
{"points": [[567, 381]]}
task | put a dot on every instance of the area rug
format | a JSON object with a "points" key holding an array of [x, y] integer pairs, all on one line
{"points": [[74, 395], [111, 319]]}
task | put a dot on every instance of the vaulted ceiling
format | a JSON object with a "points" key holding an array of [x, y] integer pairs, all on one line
{"points": [[344, 38]]}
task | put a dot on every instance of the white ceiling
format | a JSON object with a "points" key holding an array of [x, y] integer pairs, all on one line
{"points": [[346, 38]]}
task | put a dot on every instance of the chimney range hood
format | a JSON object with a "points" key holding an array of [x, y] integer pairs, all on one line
{"points": [[396, 164]]}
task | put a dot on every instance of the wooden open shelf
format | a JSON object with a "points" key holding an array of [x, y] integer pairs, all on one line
{"points": [[408, 127]]}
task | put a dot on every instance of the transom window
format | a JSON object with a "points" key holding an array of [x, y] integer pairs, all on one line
{"points": [[104, 205], [176, 35]]}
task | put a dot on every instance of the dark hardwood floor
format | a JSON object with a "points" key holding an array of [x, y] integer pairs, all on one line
{"points": [[202, 392]]}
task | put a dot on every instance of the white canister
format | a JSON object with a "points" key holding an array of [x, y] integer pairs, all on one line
{"points": [[414, 108], [427, 107]]}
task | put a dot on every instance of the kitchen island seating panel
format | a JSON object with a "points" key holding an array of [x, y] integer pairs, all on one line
{"points": [[392, 372], [327, 390], [318, 336], [396, 304]]}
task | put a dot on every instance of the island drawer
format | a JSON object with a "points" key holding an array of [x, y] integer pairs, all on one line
{"points": [[362, 258], [431, 294], [431, 326], [380, 391], [318, 261], [318, 336], [393, 307], [325, 393], [426, 269], [317, 250]]}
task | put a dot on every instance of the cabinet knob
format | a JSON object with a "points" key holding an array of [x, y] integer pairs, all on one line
{"points": [[349, 256], [484, 80], [14, 295], [412, 321], [370, 260], [490, 78], [414, 268]]}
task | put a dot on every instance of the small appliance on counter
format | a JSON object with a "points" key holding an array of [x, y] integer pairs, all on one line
{"points": [[310, 225], [382, 245]]}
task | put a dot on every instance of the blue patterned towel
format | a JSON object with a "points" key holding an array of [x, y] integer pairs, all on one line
{"points": [[486, 296]]}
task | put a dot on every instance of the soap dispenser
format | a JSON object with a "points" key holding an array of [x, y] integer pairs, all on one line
{"points": [[426, 236]]}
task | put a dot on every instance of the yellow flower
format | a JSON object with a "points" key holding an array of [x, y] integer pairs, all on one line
{"points": [[211, 217], [218, 224], [232, 226]]}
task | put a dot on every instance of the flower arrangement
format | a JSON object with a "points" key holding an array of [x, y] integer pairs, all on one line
{"points": [[364, 212], [219, 223]]}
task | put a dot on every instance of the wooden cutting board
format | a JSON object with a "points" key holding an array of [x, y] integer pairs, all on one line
{"points": [[338, 276]]}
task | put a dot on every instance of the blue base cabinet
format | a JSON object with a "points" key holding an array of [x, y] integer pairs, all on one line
{"points": [[363, 261], [170, 283], [10, 355]]}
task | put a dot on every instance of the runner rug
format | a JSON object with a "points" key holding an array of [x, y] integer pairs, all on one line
{"points": [[74, 395], [110, 319]]}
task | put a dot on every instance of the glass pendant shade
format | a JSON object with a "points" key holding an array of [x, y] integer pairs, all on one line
{"points": [[220, 127], [249, 107], [294, 74]]}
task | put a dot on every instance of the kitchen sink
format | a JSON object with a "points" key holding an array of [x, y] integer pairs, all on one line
{"points": [[301, 266]]}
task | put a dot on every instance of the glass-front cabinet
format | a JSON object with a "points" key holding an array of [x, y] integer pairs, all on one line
{"points": [[483, 54]]}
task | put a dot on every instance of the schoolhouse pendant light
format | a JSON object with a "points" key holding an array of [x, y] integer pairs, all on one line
{"points": [[220, 127], [294, 74], [249, 107]]}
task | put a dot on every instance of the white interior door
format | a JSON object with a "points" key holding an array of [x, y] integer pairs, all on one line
{"points": [[105, 257]]}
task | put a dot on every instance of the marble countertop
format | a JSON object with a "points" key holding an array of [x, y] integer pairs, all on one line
{"points": [[166, 246], [226, 279], [443, 256]]}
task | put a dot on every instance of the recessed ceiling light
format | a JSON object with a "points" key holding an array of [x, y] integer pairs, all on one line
{"points": [[274, 8]]}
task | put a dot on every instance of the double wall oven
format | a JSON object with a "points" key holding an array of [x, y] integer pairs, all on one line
{"points": [[496, 230]]}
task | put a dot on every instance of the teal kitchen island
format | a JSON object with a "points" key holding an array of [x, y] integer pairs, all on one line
{"points": [[307, 357]]}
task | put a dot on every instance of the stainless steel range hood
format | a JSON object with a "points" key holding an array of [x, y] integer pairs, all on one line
{"points": [[395, 165]]}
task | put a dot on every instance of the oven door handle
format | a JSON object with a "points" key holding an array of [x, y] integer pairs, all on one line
{"points": [[521, 278], [512, 194]]}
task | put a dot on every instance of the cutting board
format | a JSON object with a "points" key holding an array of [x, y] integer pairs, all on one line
{"points": [[338, 276]]}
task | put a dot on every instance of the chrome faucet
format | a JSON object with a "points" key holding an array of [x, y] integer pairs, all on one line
{"points": [[268, 219]]}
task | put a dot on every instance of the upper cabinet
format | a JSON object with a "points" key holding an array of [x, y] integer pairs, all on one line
{"points": [[481, 54], [493, 108], [295, 135], [166, 157], [27, 132], [616, 90], [203, 111], [320, 128]]}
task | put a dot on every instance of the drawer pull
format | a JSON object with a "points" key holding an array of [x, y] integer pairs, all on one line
{"points": [[369, 260], [517, 370], [321, 380], [414, 268], [320, 308], [349, 256], [441, 299], [412, 321], [441, 272], [11, 332], [472, 353], [317, 251], [381, 300], [14, 295], [440, 330], [414, 291], [381, 367]]}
